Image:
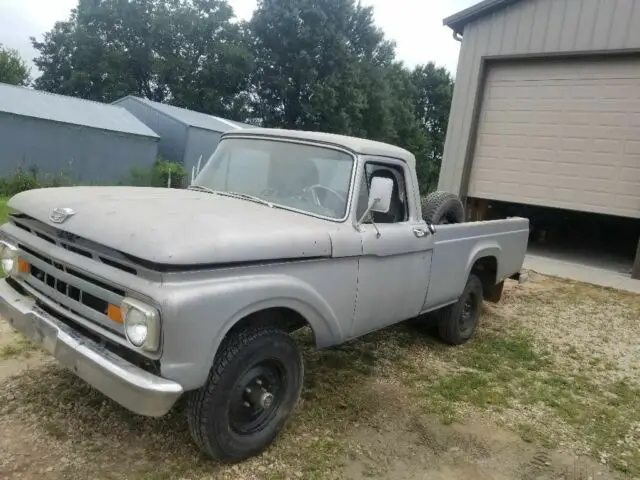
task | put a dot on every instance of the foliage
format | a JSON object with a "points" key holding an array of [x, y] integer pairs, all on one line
{"points": [[28, 179], [158, 175], [188, 52], [306, 64], [13, 69]]}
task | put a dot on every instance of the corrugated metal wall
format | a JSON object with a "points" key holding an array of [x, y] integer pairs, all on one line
{"points": [[86, 154], [173, 134], [529, 27], [200, 142]]}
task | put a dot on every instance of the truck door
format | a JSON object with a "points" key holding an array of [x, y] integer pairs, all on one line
{"points": [[394, 268]]}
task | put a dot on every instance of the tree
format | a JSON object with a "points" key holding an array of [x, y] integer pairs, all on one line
{"points": [[13, 69], [186, 52], [324, 65], [432, 102], [310, 56]]}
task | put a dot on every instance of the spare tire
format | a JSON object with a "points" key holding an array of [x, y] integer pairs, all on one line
{"points": [[441, 208]]}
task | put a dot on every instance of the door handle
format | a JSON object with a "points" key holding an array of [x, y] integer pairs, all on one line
{"points": [[420, 232], [423, 232]]}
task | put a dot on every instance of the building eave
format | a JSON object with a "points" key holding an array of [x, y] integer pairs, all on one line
{"points": [[459, 20]]}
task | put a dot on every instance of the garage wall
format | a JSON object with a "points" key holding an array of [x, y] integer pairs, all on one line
{"points": [[530, 28], [564, 134]]}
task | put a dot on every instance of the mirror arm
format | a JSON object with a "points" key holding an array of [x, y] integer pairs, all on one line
{"points": [[359, 223]]}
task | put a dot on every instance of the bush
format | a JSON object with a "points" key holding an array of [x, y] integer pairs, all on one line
{"points": [[18, 182], [158, 175], [22, 180]]}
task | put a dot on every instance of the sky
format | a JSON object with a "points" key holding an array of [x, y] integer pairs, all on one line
{"points": [[415, 25]]}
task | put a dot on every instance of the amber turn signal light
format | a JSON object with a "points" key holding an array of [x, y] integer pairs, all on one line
{"points": [[23, 265], [114, 313]]}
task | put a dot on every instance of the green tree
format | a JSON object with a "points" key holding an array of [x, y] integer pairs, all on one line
{"points": [[187, 52], [13, 69], [310, 55], [432, 101], [324, 65]]}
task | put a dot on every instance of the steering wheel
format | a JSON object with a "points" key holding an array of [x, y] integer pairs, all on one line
{"points": [[314, 194]]}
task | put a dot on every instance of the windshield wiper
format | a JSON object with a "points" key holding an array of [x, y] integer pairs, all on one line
{"points": [[246, 196], [200, 188], [243, 196]]}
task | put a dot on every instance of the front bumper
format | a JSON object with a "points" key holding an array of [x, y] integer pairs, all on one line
{"points": [[130, 386]]}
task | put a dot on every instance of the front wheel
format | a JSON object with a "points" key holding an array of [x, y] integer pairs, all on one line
{"points": [[458, 322], [252, 388]]}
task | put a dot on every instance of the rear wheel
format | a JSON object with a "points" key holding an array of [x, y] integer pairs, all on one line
{"points": [[252, 388], [458, 322]]}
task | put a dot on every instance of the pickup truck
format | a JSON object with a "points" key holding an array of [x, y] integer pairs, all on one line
{"points": [[149, 294]]}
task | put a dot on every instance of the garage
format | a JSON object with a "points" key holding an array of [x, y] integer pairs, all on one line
{"points": [[545, 122]]}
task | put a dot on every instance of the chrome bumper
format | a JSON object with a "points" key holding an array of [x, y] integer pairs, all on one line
{"points": [[130, 386]]}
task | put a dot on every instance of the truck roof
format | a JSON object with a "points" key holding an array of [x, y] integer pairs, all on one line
{"points": [[354, 144]]}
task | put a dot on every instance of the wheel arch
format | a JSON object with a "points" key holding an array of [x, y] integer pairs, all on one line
{"points": [[485, 266], [287, 313]]}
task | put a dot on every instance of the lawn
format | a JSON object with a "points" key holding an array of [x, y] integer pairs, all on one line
{"points": [[549, 388]]}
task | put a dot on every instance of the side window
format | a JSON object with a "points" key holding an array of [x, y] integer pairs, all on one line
{"points": [[398, 211]]}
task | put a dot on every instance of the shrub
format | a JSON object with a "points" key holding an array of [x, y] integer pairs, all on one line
{"points": [[18, 182], [158, 175]]}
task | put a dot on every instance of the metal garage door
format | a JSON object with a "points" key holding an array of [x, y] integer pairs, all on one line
{"points": [[563, 134]]}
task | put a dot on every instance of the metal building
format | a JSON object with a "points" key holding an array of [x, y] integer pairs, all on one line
{"points": [[546, 106], [185, 135], [53, 134]]}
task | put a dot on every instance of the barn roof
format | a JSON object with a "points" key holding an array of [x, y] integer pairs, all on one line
{"points": [[459, 20], [191, 117], [27, 102]]}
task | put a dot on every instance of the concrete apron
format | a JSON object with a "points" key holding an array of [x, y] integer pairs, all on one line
{"points": [[581, 273]]}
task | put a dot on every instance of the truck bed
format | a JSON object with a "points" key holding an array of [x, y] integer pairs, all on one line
{"points": [[458, 246]]}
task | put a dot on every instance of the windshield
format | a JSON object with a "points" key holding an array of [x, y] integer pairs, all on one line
{"points": [[302, 177]]}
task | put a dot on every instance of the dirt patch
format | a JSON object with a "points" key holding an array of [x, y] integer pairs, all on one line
{"points": [[547, 390], [16, 352]]}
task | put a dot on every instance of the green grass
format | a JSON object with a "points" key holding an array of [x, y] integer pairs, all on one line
{"points": [[4, 209]]}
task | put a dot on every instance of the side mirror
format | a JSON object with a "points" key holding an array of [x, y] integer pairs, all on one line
{"points": [[379, 197], [380, 194]]}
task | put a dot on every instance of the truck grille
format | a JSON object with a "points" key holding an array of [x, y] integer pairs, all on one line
{"points": [[75, 244], [74, 291]]}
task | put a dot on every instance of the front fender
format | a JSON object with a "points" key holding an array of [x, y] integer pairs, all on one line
{"points": [[200, 315]]}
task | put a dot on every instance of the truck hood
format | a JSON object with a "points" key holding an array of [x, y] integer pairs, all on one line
{"points": [[180, 227]]}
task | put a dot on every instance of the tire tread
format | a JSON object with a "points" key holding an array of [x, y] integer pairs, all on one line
{"points": [[197, 412]]}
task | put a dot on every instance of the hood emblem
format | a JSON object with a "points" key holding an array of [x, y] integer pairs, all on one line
{"points": [[59, 215]]}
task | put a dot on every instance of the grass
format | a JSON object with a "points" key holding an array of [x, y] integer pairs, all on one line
{"points": [[519, 373], [4, 210]]}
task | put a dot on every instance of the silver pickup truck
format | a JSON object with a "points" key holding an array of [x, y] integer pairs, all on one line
{"points": [[151, 294]]}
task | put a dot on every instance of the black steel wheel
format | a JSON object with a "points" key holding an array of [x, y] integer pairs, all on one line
{"points": [[458, 322], [256, 397], [252, 388]]}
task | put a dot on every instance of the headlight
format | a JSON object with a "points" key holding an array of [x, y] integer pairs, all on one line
{"points": [[9, 258], [141, 324]]}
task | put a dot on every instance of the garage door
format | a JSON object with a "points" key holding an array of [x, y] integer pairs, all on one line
{"points": [[563, 134]]}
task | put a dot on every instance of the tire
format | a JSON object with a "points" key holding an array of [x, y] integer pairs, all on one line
{"points": [[458, 322], [440, 208], [225, 421]]}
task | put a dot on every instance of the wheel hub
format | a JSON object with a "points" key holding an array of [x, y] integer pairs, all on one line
{"points": [[257, 398], [266, 400]]}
